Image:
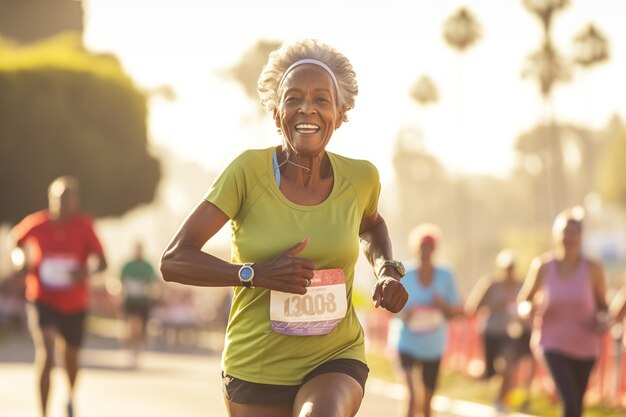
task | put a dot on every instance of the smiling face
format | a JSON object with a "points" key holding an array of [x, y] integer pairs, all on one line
{"points": [[308, 111]]}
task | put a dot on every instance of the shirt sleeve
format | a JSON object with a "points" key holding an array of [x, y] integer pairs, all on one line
{"points": [[124, 272], [21, 234], [95, 247], [371, 203], [453, 293], [23, 230], [151, 271], [228, 189]]}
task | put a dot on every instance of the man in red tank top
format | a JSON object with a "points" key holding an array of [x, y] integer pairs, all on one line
{"points": [[57, 245]]}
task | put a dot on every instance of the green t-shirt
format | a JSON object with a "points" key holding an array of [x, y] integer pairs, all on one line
{"points": [[264, 223], [137, 275]]}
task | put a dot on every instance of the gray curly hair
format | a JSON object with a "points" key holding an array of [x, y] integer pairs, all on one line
{"points": [[282, 58]]}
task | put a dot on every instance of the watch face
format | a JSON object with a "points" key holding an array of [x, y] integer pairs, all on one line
{"points": [[246, 273]]}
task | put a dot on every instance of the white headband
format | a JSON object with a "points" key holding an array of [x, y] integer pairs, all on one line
{"points": [[314, 62]]}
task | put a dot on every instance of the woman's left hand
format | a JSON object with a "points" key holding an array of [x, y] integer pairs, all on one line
{"points": [[390, 294]]}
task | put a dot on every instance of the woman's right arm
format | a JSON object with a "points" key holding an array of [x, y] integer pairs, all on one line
{"points": [[478, 295], [617, 309], [531, 285], [184, 261]]}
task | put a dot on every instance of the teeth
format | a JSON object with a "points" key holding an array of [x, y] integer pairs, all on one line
{"points": [[307, 128]]}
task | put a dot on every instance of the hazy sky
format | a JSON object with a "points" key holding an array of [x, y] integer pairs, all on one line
{"points": [[185, 43]]}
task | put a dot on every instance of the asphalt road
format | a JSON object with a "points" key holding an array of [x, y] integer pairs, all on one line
{"points": [[181, 382]]}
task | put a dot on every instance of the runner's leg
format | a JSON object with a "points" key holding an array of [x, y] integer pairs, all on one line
{"points": [[255, 410], [328, 395], [511, 361], [71, 365], [72, 329], [43, 339], [134, 323], [430, 375], [407, 365], [409, 380], [564, 371]]}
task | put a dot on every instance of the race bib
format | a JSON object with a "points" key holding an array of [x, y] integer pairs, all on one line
{"points": [[56, 272], [425, 319], [315, 313], [135, 288]]}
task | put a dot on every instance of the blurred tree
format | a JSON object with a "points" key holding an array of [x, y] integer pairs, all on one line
{"points": [[501, 210], [461, 30], [581, 148], [247, 70], [34, 20], [544, 10], [612, 181], [591, 47], [421, 185], [164, 91], [424, 91], [547, 66], [66, 111]]}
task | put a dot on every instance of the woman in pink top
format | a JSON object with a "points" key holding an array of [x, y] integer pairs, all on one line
{"points": [[567, 290]]}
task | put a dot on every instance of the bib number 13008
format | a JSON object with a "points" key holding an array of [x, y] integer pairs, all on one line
{"points": [[315, 313], [309, 305]]}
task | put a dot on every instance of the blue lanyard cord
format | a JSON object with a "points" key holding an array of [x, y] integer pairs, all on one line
{"points": [[276, 169]]}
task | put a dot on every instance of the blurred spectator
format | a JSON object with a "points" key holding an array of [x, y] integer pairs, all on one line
{"points": [[506, 336], [138, 288], [12, 301], [571, 312], [178, 317], [418, 332], [55, 246], [617, 312]]}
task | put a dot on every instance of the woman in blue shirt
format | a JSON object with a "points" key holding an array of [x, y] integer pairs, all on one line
{"points": [[419, 332]]}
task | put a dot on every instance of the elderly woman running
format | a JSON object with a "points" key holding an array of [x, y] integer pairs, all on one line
{"points": [[294, 346]]}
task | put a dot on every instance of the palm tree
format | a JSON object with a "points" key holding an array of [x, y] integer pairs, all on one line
{"points": [[544, 10], [547, 67], [424, 92], [461, 30], [592, 47]]}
